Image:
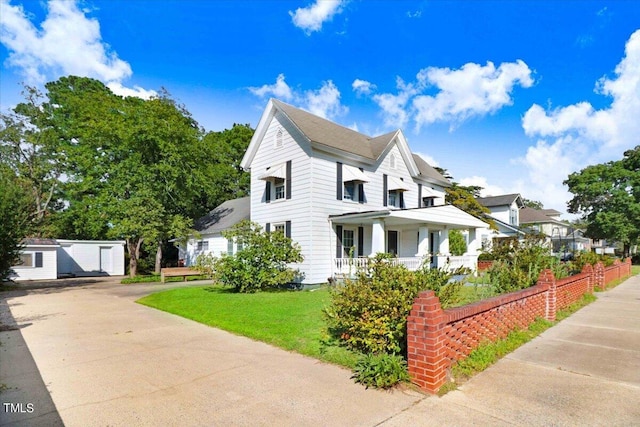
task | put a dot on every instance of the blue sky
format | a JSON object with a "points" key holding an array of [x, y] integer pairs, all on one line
{"points": [[509, 95]]}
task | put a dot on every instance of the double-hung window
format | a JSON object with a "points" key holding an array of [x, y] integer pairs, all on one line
{"points": [[350, 183], [279, 188], [350, 191]]}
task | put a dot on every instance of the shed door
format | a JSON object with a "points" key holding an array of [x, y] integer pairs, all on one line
{"points": [[106, 261]]}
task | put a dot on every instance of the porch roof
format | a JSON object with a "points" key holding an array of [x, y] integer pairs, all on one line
{"points": [[448, 215]]}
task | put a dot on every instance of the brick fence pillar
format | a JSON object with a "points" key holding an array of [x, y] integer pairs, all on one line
{"points": [[426, 352], [548, 281], [588, 269], [598, 272]]}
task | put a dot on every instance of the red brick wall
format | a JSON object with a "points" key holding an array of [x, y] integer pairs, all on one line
{"points": [[436, 338], [484, 265]]}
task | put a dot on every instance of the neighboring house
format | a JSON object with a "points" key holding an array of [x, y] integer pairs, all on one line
{"points": [[38, 260], [602, 246], [505, 212], [344, 196], [44, 259], [562, 236], [210, 228]]}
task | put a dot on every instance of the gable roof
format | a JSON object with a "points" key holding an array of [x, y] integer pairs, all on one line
{"points": [[530, 215], [224, 216], [328, 133], [502, 200], [325, 133]]}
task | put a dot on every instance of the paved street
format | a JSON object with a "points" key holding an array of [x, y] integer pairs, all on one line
{"points": [[87, 355]]}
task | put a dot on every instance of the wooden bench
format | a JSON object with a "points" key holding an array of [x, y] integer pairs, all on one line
{"points": [[178, 272]]}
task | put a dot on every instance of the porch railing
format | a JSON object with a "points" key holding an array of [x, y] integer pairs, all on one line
{"points": [[453, 262], [349, 266]]}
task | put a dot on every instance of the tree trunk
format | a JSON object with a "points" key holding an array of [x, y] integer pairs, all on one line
{"points": [[133, 246], [159, 257]]}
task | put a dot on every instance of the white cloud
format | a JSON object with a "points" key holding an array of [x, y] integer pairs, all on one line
{"points": [[481, 181], [394, 107], [67, 42], [312, 17], [323, 102], [137, 91], [473, 90], [362, 87], [280, 89], [572, 137]]}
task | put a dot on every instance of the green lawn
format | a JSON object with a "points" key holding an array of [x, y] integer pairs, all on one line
{"points": [[291, 320]]}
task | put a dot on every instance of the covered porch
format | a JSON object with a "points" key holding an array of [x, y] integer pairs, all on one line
{"points": [[415, 237]]}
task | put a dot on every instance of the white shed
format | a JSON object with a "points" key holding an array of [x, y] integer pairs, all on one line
{"points": [[90, 257], [38, 260]]}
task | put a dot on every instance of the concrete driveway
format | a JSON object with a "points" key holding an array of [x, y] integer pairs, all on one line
{"points": [[105, 360]]}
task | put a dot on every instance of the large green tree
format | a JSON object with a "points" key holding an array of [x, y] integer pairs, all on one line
{"points": [[29, 145], [15, 221], [608, 198], [135, 169]]}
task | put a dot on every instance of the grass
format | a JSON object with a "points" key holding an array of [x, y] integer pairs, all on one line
{"points": [[291, 320]]}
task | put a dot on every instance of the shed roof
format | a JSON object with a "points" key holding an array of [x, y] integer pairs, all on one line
{"points": [[39, 241]]}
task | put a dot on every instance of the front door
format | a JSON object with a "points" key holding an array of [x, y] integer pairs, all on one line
{"points": [[392, 242]]}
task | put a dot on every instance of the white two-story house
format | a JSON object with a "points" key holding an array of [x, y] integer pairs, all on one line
{"points": [[505, 212], [344, 196]]}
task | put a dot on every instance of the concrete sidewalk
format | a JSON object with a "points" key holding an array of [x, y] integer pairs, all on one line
{"points": [[108, 361]]}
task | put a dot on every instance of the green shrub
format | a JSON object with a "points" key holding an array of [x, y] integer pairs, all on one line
{"points": [[261, 264], [380, 370], [518, 263], [369, 314], [457, 243], [485, 256]]}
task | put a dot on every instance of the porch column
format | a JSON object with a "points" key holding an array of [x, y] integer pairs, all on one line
{"points": [[472, 245], [423, 241], [444, 242], [377, 236]]}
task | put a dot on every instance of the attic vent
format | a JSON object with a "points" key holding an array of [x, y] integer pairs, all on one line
{"points": [[392, 161], [279, 138]]}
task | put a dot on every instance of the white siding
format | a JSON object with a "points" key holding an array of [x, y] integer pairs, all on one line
{"points": [[85, 257], [46, 272], [295, 148], [217, 246], [314, 198]]}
